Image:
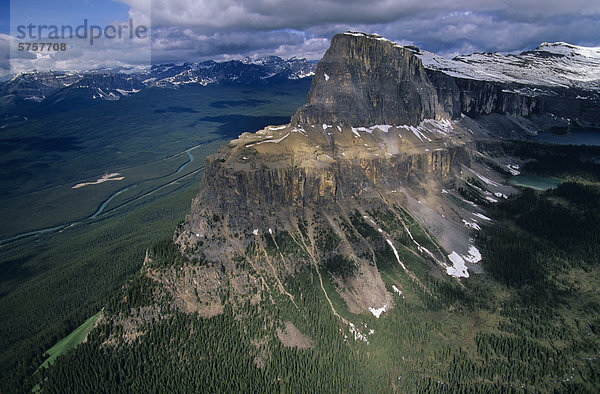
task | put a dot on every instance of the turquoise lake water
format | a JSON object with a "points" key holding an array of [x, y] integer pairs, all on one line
{"points": [[534, 181]]}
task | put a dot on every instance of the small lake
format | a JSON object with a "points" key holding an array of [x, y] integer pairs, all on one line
{"points": [[574, 137], [534, 181]]}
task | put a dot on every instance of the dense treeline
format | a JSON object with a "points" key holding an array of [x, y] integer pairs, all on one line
{"points": [[223, 354], [67, 277], [165, 254], [535, 245], [545, 233], [559, 160]]}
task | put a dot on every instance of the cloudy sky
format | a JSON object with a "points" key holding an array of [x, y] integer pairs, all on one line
{"points": [[191, 30]]}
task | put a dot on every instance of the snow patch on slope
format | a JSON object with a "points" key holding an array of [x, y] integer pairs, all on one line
{"points": [[459, 267], [396, 254], [378, 311], [474, 255]]}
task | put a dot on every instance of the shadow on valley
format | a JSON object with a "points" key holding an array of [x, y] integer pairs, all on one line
{"points": [[274, 93], [40, 144], [238, 103], [234, 125], [12, 270], [176, 110]]}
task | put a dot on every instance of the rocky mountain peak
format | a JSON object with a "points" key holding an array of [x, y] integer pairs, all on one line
{"points": [[564, 48], [364, 80]]}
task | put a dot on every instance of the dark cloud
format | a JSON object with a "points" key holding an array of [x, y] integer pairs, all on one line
{"points": [[190, 30], [464, 32], [186, 29], [264, 15], [176, 44]]}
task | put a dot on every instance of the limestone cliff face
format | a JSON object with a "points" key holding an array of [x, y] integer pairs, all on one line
{"points": [[363, 81], [479, 98], [262, 184], [475, 98]]}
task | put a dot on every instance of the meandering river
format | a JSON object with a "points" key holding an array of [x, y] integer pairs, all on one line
{"points": [[102, 207]]}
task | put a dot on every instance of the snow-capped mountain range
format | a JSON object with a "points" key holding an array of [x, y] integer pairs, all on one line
{"points": [[112, 84], [539, 71], [556, 65]]}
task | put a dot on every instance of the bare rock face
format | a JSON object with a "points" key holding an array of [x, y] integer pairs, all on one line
{"points": [[366, 80], [310, 181]]}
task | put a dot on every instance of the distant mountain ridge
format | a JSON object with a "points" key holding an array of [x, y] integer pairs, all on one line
{"points": [[531, 73], [556, 65], [112, 84]]}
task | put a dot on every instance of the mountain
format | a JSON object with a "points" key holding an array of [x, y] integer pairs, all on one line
{"points": [[112, 84], [241, 71], [553, 81], [373, 244], [36, 86], [382, 136]]}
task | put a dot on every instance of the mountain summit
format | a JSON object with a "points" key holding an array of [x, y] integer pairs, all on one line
{"points": [[367, 80]]}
